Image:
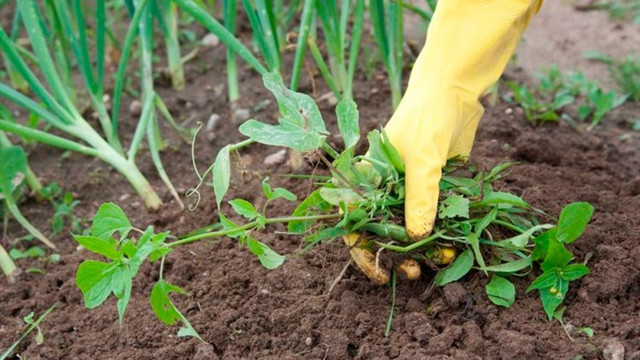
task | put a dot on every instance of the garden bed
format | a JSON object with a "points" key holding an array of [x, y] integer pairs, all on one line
{"points": [[244, 311]]}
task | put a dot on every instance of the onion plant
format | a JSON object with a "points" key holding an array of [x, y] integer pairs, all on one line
{"points": [[167, 14], [342, 54], [57, 107], [387, 23]]}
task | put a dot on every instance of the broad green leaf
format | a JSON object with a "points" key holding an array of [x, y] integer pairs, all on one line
{"points": [[121, 279], [573, 219], [221, 174], [230, 225], [284, 194], [392, 153], [148, 244], [377, 152], [102, 246], [347, 113], [166, 311], [544, 281], [110, 219], [300, 126], [574, 272], [338, 196], [542, 244], [501, 291], [552, 297], [510, 267], [244, 208], [454, 206], [94, 278], [558, 257], [12, 167], [313, 204], [522, 240], [268, 258], [459, 268]]}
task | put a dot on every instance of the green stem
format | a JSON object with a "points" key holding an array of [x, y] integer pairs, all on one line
{"points": [[387, 329], [250, 225], [331, 151], [15, 212], [173, 46], [232, 71], [415, 245]]}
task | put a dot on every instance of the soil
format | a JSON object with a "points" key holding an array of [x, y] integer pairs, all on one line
{"points": [[243, 311]]}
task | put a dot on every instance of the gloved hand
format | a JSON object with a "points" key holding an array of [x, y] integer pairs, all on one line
{"points": [[468, 46]]}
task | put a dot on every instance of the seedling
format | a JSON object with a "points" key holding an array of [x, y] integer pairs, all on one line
{"points": [[33, 324], [626, 72], [63, 206], [537, 109]]}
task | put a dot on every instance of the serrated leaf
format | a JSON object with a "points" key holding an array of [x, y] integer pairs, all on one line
{"points": [[573, 219], [244, 208], [268, 258], [221, 174], [501, 291], [454, 206], [166, 311], [347, 114], [459, 268], [108, 220], [103, 246], [12, 166]]}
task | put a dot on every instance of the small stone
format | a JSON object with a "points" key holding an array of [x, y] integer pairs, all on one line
{"points": [[241, 115], [135, 108], [212, 122], [332, 100], [265, 291], [210, 40], [309, 341], [614, 350], [508, 111], [106, 98], [124, 197], [276, 158]]}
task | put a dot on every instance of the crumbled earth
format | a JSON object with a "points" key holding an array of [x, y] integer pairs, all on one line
{"points": [[243, 311]]}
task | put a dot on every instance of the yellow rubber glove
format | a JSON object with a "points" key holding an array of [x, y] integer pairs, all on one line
{"points": [[468, 46]]}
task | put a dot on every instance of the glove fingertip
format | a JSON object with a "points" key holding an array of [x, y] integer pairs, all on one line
{"points": [[419, 222]]}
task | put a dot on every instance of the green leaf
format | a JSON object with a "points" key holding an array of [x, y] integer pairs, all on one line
{"points": [[300, 127], [313, 204], [221, 174], [459, 268], [502, 199], [587, 331], [32, 252], [268, 258], [347, 113], [377, 152], [522, 240], [102, 246], [552, 299], [473, 240], [110, 219], [13, 167], [542, 244], [166, 311], [511, 266], [244, 208], [544, 281], [573, 219], [338, 196], [558, 257], [230, 225], [283, 193], [574, 272], [454, 206], [485, 221], [501, 291], [392, 153]]}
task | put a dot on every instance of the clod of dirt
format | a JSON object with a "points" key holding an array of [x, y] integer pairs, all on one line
{"points": [[212, 122], [241, 115], [135, 108], [614, 350], [418, 326], [455, 295], [515, 345], [210, 40], [275, 158]]}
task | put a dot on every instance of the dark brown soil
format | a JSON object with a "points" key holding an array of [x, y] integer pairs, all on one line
{"points": [[243, 311]]}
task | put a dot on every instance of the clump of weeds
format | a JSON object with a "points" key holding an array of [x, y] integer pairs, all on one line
{"points": [[479, 227]]}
